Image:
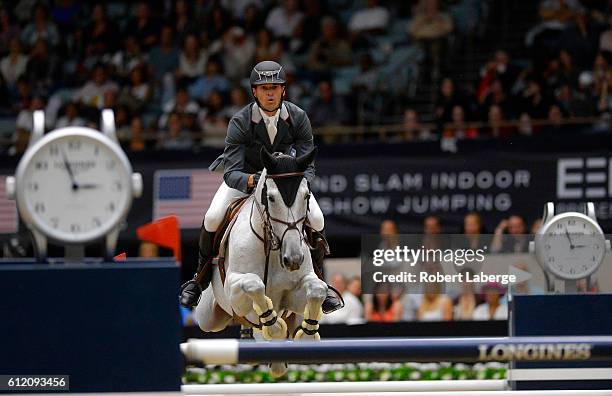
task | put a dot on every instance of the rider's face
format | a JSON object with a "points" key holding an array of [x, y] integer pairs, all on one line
{"points": [[269, 96]]}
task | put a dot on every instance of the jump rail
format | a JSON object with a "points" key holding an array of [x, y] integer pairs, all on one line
{"points": [[230, 351]]}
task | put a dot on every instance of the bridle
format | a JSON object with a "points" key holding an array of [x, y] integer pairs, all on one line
{"points": [[269, 239]]}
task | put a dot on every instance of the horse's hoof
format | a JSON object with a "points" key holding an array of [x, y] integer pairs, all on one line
{"points": [[300, 335], [277, 331], [277, 369]]}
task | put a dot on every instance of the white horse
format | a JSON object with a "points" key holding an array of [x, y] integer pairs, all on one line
{"points": [[269, 229]]}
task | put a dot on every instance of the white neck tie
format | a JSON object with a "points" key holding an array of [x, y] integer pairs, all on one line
{"points": [[271, 127]]}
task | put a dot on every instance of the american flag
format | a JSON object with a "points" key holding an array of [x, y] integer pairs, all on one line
{"points": [[186, 193], [8, 211]]}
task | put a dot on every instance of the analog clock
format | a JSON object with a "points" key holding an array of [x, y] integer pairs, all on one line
{"points": [[570, 245], [74, 185]]}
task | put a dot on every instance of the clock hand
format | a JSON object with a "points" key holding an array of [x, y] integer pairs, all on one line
{"points": [[75, 186], [89, 186], [580, 246], [569, 239]]}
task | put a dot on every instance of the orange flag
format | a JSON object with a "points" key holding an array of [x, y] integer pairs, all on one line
{"points": [[164, 232]]}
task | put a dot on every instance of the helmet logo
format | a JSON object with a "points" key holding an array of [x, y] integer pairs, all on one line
{"points": [[268, 74]]}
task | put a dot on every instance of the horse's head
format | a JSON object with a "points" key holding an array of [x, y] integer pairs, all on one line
{"points": [[284, 194]]}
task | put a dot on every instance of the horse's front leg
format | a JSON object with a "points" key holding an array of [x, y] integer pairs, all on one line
{"points": [[247, 291], [315, 290]]}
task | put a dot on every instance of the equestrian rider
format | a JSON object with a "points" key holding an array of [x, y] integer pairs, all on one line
{"points": [[279, 126]]}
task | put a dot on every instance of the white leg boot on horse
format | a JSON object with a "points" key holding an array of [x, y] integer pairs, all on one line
{"points": [[248, 293], [316, 291]]}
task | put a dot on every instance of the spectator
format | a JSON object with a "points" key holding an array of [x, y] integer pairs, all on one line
{"points": [[492, 308], [148, 250], [309, 28], [137, 93], [459, 128], [214, 121], [102, 35], [9, 30], [192, 61], [535, 226], [40, 28], [176, 137], [238, 53], [284, 19], [352, 312], [239, 8], [24, 122], [92, 93], [374, 18], [532, 101], [263, 46], [510, 236], [328, 108], [163, 61], [252, 21], [473, 237], [498, 68], [13, 65], [43, 69], [239, 99], [435, 306], [216, 23], [556, 128], [412, 128], [70, 117], [466, 303], [429, 28], [329, 50], [213, 80], [183, 20], [498, 128], [581, 39], [182, 103], [496, 96], [143, 27], [136, 139], [447, 99], [129, 58], [384, 307]]}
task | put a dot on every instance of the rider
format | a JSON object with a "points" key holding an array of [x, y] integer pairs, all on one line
{"points": [[279, 126]]}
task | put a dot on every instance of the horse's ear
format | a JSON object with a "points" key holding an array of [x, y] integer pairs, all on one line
{"points": [[306, 159], [266, 159]]}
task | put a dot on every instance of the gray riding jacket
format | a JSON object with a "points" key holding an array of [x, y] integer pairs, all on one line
{"points": [[247, 133]]}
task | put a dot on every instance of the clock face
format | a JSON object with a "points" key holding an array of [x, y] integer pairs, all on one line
{"points": [[74, 188], [571, 246]]}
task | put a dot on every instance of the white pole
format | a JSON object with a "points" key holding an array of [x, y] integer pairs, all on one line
{"points": [[350, 387]]}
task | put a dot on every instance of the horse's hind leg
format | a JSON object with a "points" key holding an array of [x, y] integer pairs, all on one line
{"points": [[249, 287], [209, 315], [316, 290]]}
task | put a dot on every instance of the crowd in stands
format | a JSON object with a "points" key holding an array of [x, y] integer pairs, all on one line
{"points": [[178, 69]]}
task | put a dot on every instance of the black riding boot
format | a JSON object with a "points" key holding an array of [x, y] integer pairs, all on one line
{"points": [[192, 289], [333, 301]]}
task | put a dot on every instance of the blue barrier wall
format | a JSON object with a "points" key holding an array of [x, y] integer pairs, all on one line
{"points": [[562, 315], [110, 326]]}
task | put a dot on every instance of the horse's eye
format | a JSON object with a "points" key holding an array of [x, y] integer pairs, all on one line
{"points": [[270, 198], [307, 196]]}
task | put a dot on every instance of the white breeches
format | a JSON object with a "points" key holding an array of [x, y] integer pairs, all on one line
{"points": [[225, 195]]}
